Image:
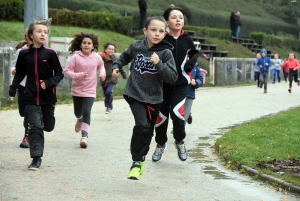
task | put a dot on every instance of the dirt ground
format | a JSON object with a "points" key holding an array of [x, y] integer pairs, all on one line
{"points": [[291, 166]]}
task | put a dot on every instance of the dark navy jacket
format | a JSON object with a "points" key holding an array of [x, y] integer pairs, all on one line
{"points": [[38, 64], [197, 76]]}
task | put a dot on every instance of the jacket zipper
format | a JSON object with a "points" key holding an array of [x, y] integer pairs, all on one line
{"points": [[36, 78]]}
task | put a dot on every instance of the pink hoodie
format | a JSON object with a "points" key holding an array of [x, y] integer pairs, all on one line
{"points": [[80, 63]]}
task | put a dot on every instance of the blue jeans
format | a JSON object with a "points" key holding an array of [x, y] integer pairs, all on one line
{"points": [[238, 29], [108, 96], [276, 72]]}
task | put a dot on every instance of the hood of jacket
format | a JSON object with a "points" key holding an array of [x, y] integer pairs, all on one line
{"points": [[160, 46], [264, 51]]}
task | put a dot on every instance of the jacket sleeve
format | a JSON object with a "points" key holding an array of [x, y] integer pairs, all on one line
{"points": [[166, 67], [298, 65], [124, 58], [101, 68], [198, 78], [269, 62], [69, 70], [283, 64], [123, 73], [193, 56], [19, 76], [57, 72]]}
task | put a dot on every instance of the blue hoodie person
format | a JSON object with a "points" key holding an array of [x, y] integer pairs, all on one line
{"points": [[264, 63], [196, 82]]}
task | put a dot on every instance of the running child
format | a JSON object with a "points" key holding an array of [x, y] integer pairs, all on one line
{"points": [[256, 68], [291, 66], [174, 95], [264, 63], [25, 44], [43, 70], [82, 69], [109, 83], [152, 64], [276, 66]]}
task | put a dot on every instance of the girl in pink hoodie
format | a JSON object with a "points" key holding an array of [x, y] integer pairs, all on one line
{"points": [[291, 66], [82, 69]]}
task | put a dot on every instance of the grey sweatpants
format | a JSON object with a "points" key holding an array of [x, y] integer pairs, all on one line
{"points": [[187, 107]]}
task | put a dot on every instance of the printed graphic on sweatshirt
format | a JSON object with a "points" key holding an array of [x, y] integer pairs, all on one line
{"points": [[144, 65]]}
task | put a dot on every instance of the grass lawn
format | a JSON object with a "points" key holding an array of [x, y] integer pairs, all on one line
{"points": [[275, 137]]}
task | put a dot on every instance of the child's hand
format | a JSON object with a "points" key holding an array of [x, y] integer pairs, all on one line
{"points": [[102, 77], [115, 73], [295, 68], [193, 82], [85, 74], [13, 72], [43, 85], [260, 66], [154, 58], [266, 64]]}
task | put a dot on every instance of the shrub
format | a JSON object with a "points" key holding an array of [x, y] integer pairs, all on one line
{"points": [[11, 9], [209, 32], [95, 20], [282, 41]]}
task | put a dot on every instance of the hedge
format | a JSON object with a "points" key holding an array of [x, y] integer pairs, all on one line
{"points": [[210, 32], [95, 20], [11, 9], [272, 40], [201, 17]]}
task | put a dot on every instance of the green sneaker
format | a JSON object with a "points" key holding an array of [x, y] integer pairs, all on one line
{"points": [[134, 171], [142, 167]]}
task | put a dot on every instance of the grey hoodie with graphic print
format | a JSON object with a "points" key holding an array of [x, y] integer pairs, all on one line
{"points": [[146, 79]]}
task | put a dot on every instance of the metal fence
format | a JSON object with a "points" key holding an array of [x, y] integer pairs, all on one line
{"points": [[232, 71], [6, 57]]}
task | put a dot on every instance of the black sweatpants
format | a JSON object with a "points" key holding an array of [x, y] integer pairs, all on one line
{"points": [[40, 118], [173, 104], [144, 116], [293, 74], [82, 108]]}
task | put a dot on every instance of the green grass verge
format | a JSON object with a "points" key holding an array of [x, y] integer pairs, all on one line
{"points": [[14, 32], [262, 140]]}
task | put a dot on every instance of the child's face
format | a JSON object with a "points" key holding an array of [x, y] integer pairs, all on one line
{"points": [[176, 20], [263, 54], [110, 50], [258, 56], [39, 34], [87, 46], [276, 56], [155, 32], [291, 56]]}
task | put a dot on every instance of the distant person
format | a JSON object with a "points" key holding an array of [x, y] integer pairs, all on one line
{"points": [[44, 72], [82, 69], [108, 85], [233, 24], [285, 71], [143, 12], [276, 66], [152, 66], [264, 63], [256, 68], [238, 23], [196, 82], [21, 89], [291, 65]]}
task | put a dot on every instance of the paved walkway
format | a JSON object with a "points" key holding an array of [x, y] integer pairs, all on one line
{"points": [[99, 172]]}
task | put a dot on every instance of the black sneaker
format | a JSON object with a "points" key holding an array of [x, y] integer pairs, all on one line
{"points": [[35, 164], [289, 90], [190, 119], [182, 153]]}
